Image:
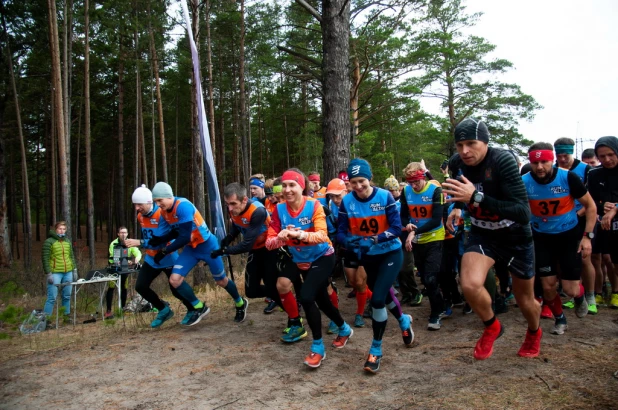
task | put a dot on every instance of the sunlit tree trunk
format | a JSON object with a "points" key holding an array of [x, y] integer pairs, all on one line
{"points": [[6, 257]]}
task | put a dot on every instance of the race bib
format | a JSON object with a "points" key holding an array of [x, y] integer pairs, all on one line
{"points": [[615, 226]]}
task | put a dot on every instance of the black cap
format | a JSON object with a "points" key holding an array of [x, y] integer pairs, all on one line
{"points": [[471, 129]]}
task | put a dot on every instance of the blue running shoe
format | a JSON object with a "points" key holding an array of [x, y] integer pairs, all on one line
{"points": [[359, 321], [294, 334], [163, 315], [187, 318], [332, 328], [405, 324], [447, 313]]}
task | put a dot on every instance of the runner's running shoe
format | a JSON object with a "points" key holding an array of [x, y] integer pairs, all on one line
{"points": [[592, 309], [485, 345], [546, 312], [368, 311], [568, 304], [434, 324], [340, 341], [186, 319], [407, 333], [467, 309], [270, 308], [198, 314], [559, 327], [163, 315], [613, 302], [291, 323], [359, 321], [294, 334], [332, 328], [241, 312], [416, 301], [372, 365], [314, 360], [532, 344], [599, 300], [581, 309], [447, 313]]}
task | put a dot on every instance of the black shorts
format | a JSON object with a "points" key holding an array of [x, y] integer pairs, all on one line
{"points": [[558, 250], [350, 259], [600, 243], [519, 258]]}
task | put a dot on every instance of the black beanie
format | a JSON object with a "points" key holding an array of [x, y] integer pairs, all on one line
{"points": [[471, 129], [609, 142]]}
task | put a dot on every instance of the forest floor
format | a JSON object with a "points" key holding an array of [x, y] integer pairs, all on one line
{"points": [[219, 364]]}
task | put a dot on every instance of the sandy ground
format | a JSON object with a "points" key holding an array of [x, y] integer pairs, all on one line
{"points": [[219, 364]]}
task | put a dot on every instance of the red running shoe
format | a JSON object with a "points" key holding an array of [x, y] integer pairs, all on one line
{"points": [[546, 312], [314, 360], [485, 346], [532, 344]]}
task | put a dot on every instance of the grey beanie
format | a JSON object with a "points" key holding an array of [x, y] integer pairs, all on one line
{"points": [[162, 190], [609, 142]]}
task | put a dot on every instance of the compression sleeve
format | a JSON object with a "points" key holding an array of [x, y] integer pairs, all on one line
{"points": [[394, 221], [184, 236]]}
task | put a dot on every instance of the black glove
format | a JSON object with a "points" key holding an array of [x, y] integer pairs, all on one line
{"points": [[174, 234], [225, 242], [217, 253], [156, 241], [159, 256]]}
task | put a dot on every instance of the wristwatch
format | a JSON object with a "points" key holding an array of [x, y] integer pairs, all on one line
{"points": [[589, 235], [477, 198]]}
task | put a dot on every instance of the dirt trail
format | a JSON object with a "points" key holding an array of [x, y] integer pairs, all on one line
{"points": [[219, 364]]}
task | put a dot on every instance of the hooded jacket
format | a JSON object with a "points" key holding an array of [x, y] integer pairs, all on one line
{"points": [[57, 254], [603, 182]]}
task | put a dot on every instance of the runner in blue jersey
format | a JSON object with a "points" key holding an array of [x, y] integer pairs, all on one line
{"points": [[369, 225], [552, 193], [565, 148], [300, 224], [152, 223], [197, 243]]}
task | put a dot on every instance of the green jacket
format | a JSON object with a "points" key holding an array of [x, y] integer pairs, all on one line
{"points": [[57, 254], [133, 252]]}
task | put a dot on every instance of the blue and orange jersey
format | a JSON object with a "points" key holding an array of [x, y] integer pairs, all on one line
{"points": [[580, 171], [270, 206], [184, 211], [420, 209], [154, 224], [369, 218], [305, 219], [552, 205], [243, 221], [320, 195]]}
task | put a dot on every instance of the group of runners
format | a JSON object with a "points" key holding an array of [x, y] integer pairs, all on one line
{"points": [[298, 234]]}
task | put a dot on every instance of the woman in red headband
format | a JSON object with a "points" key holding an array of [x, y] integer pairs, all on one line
{"points": [[300, 224]]}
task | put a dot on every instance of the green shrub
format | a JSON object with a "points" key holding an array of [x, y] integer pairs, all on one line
{"points": [[12, 315], [4, 336], [10, 289]]}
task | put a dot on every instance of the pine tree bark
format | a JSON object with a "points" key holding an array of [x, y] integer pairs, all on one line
{"points": [[63, 160], [66, 83], [87, 142], [6, 256], [120, 195], [27, 214], [335, 25]]}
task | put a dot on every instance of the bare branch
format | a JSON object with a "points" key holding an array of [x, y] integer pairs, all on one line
{"points": [[305, 57], [310, 9]]}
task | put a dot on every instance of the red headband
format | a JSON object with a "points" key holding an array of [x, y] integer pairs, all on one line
{"points": [[294, 176], [343, 176], [541, 155], [314, 178], [416, 176]]}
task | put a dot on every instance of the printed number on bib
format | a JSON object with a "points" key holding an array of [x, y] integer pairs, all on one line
{"points": [[419, 212], [548, 207], [369, 226], [615, 226], [146, 234]]}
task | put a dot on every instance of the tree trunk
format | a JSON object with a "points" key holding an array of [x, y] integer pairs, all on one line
{"points": [[53, 161], [89, 190], [243, 120], [120, 195], [335, 85], [155, 63], [27, 214], [356, 79], [66, 84], [38, 189], [63, 160], [152, 126], [6, 257], [285, 125]]}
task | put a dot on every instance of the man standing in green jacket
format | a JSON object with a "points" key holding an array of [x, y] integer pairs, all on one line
{"points": [[59, 266]]}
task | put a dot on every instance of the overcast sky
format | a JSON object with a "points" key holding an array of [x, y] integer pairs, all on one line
{"points": [[565, 55]]}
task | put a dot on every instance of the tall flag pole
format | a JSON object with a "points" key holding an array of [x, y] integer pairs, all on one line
{"points": [[216, 211]]}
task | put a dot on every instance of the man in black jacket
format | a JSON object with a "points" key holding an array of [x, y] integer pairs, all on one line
{"points": [[603, 187]]}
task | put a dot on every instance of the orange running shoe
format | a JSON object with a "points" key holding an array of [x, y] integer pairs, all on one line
{"points": [[314, 360], [532, 344], [341, 341], [485, 346]]}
